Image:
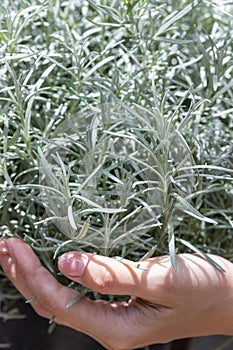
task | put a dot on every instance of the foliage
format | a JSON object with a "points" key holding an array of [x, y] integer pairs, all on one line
{"points": [[155, 70]]}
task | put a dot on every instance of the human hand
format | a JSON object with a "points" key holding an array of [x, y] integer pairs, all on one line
{"points": [[166, 305]]}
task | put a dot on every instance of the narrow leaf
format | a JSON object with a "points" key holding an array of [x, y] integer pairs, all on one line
{"points": [[79, 296], [83, 230], [172, 251], [15, 137], [200, 252], [149, 254], [71, 218], [189, 209]]}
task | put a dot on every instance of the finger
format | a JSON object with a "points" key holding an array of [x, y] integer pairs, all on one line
{"points": [[110, 276], [32, 280], [7, 262]]}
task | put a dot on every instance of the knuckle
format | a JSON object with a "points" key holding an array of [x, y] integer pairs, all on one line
{"points": [[46, 291], [41, 311], [45, 309]]}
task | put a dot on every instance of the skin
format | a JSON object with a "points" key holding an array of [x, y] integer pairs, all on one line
{"points": [[196, 300]]}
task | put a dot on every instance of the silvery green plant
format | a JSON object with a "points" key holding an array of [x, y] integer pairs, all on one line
{"points": [[116, 117]]}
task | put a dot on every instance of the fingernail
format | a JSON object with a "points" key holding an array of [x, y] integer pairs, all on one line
{"points": [[72, 264]]}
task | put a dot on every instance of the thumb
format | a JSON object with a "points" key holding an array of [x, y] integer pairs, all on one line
{"points": [[103, 274]]}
